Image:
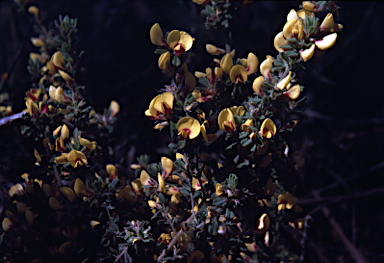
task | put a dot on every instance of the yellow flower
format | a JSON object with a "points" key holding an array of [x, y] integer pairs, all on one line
{"points": [[309, 5], [268, 128], [293, 28], [7, 224], [245, 126], [156, 35], [257, 85], [58, 60], [112, 171], [237, 110], [219, 190], [165, 63], [188, 127], [227, 121], [37, 42], [238, 74], [61, 159], [161, 187], [114, 107], [161, 106], [80, 188], [57, 94], [64, 132], [285, 201], [34, 11], [90, 146], [302, 13], [262, 224], [76, 158], [294, 92], [16, 189], [180, 41], [211, 49], [307, 53], [327, 23], [278, 41], [252, 63], [284, 82], [266, 68], [326, 42], [226, 63], [168, 166], [32, 109], [68, 79]]}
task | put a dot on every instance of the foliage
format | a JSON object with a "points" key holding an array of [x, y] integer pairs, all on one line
{"points": [[226, 195]]}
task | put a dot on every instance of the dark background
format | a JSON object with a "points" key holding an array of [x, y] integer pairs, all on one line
{"points": [[339, 134]]}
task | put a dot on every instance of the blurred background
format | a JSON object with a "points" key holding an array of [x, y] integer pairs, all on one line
{"points": [[340, 133]]}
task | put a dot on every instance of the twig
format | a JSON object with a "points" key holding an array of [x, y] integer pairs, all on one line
{"points": [[334, 199], [121, 254], [174, 240], [9, 119], [304, 238], [353, 251]]}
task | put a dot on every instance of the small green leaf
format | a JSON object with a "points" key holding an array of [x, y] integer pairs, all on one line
{"points": [[176, 61]]}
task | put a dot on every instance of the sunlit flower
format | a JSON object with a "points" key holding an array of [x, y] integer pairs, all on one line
{"points": [[326, 42], [293, 92], [180, 41], [188, 127], [252, 63], [278, 41], [161, 106], [284, 82], [307, 54], [293, 28]]}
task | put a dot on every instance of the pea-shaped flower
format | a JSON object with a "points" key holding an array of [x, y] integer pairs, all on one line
{"points": [[211, 49], [238, 74], [266, 68], [161, 105], [268, 128], [180, 41], [76, 158], [227, 121], [156, 35], [307, 53], [188, 127], [326, 42]]}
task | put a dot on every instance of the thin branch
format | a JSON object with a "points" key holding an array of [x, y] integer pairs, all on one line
{"points": [[16, 116], [353, 251]]}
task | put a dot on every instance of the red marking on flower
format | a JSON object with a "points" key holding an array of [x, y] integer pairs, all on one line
{"points": [[180, 50], [32, 96], [229, 127], [44, 108]]}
